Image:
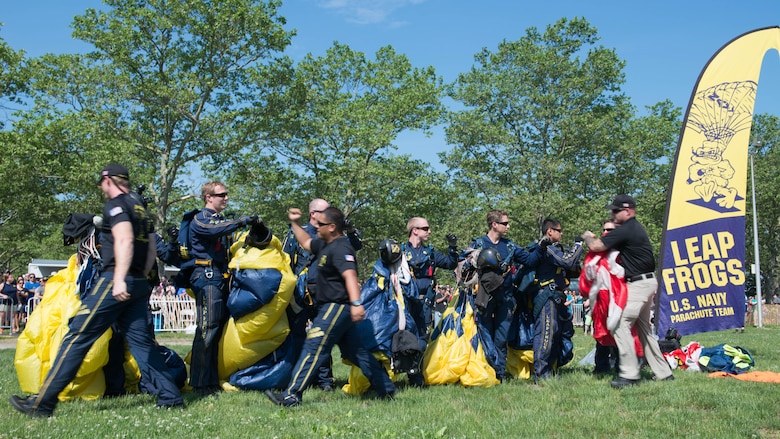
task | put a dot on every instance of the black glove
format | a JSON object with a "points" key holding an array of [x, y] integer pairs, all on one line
{"points": [[578, 240], [349, 226], [252, 220], [452, 240], [544, 242], [173, 233], [428, 302]]}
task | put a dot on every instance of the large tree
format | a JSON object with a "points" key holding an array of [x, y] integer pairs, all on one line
{"points": [[546, 131], [168, 86], [766, 162], [335, 139], [27, 204]]}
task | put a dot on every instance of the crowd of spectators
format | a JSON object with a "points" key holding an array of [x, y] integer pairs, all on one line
{"points": [[16, 296]]}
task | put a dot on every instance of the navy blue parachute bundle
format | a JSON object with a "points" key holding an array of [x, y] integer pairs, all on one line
{"points": [[176, 367], [382, 310], [483, 337], [251, 289], [303, 299], [521, 331], [274, 371], [260, 294]]}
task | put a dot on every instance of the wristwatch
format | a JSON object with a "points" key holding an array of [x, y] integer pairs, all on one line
{"points": [[356, 303]]}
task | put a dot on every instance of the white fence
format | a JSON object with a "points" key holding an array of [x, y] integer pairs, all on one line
{"points": [[169, 313], [172, 313], [577, 318]]}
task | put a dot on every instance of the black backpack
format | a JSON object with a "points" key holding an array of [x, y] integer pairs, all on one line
{"points": [[406, 351], [187, 264]]}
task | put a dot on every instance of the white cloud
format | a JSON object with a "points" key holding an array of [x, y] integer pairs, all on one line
{"points": [[368, 11]]}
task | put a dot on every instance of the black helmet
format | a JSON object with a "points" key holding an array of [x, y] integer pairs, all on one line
{"points": [[389, 251], [488, 258]]}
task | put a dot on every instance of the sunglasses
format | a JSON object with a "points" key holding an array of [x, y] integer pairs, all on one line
{"points": [[617, 211], [608, 230], [426, 228], [320, 224], [557, 230], [220, 195], [503, 223]]}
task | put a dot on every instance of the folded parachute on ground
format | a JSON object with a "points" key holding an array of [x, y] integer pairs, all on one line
{"points": [[272, 372], [520, 343], [381, 323], [46, 326], [38, 344], [261, 290], [457, 350], [382, 310]]}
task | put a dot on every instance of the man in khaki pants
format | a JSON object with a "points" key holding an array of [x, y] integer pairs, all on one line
{"points": [[639, 262]]}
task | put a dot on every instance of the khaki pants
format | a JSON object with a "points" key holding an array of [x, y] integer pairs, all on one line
{"points": [[637, 314]]}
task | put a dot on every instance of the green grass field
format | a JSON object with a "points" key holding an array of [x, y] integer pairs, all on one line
{"points": [[573, 406]]}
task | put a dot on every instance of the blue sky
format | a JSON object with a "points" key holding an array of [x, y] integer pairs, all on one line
{"points": [[665, 43]]}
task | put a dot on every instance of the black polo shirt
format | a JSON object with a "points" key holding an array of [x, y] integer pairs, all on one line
{"points": [[117, 210], [332, 260], [636, 253]]}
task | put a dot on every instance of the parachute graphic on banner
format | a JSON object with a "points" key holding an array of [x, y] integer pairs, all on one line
{"points": [[703, 248], [718, 113]]}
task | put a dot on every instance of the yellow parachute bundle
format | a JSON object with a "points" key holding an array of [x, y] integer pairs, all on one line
{"points": [[358, 384], [46, 326], [249, 338], [520, 363], [455, 353]]}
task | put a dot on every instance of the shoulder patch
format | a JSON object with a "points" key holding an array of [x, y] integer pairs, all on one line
{"points": [[115, 211], [349, 258]]}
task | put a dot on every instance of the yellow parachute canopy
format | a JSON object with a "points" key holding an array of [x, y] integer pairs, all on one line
{"points": [[46, 326]]}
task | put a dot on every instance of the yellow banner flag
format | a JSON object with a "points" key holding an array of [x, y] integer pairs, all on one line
{"points": [[703, 248]]}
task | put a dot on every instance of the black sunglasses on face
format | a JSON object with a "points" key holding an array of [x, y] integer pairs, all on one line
{"points": [[320, 224], [503, 223], [608, 230], [220, 195], [617, 211], [557, 230], [426, 228]]}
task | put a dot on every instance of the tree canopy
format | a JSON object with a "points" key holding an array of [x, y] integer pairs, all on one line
{"points": [[186, 91]]}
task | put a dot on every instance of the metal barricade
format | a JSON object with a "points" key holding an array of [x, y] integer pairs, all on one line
{"points": [[578, 319], [172, 313], [6, 314], [32, 302]]}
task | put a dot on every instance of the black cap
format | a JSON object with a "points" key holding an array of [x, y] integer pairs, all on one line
{"points": [[114, 170], [622, 202]]}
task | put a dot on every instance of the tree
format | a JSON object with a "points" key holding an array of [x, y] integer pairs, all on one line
{"points": [[168, 86], [546, 130], [26, 211], [766, 160], [334, 138]]}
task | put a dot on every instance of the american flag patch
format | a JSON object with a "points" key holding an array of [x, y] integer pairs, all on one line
{"points": [[349, 258], [115, 211]]}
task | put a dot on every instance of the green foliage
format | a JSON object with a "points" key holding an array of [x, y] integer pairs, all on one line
{"points": [[546, 131], [766, 160], [168, 86], [334, 139], [575, 405]]}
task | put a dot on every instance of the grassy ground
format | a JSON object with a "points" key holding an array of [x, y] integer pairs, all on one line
{"points": [[573, 406]]}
